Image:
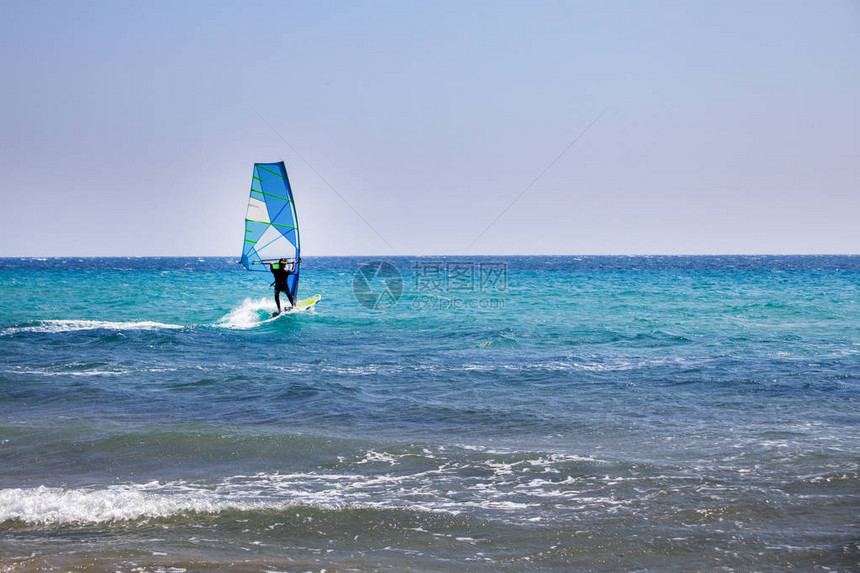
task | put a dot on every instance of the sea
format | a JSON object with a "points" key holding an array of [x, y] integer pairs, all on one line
{"points": [[481, 414]]}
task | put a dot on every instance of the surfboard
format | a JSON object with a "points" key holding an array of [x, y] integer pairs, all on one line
{"points": [[308, 302], [301, 306]]}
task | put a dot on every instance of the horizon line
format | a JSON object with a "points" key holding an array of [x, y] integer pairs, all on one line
{"points": [[437, 256]]}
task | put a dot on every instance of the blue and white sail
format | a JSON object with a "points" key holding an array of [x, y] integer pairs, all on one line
{"points": [[271, 224]]}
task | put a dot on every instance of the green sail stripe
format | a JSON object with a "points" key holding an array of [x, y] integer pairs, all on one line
{"points": [[270, 195], [250, 241], [275, 224], [258, 179], [270, 171]]}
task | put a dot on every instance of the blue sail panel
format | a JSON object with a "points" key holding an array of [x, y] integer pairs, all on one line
{"points": [[271, 224]]}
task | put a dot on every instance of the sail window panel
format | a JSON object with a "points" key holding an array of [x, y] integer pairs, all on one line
{"points": [[257, 211]]}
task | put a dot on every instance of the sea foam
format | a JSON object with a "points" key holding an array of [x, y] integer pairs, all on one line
{"points": [[248, 314], [47, 505], [54, 326]]}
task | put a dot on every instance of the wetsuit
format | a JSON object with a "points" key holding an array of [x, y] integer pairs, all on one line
{"points": [[281, 273]]}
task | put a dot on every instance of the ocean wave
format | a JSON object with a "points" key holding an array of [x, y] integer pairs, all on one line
{"points": [[51, 506], [510, 487], [249, 314], [516, 485], [496, 367], [83, 370], [55, 326], [130, 502]]}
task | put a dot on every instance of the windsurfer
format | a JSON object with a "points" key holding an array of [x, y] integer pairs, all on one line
{"points": [[281, 272]]}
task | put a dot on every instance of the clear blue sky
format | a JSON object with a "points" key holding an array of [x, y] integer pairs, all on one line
{"points": [[730, 127]]}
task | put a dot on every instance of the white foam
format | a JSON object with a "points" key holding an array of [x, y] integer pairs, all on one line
{"points": [[53, 326], [520, 489], [373, 457], [247, 315], [44, 505], [51, 506], [94, 372]]}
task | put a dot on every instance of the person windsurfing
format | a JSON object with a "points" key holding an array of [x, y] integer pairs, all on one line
{"points": [[281, 272]]}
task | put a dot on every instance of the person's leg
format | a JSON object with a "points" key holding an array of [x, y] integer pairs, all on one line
{"points": [[290, 296], [278, 301]]}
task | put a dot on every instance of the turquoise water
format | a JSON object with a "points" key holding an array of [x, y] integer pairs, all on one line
{"points": [[555, 413]]}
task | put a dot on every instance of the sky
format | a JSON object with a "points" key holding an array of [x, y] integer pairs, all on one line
{"points": [[432, 128]]}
